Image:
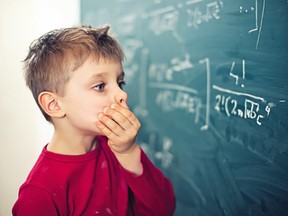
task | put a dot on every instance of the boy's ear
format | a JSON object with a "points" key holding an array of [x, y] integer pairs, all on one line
{"points": [[51, 104]]}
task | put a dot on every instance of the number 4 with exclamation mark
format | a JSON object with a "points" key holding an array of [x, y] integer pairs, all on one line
{"points": [[235, 75]]}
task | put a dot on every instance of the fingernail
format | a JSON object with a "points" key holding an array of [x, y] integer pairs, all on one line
{"points": [[100, 116], [113, 106], [106, 109]]}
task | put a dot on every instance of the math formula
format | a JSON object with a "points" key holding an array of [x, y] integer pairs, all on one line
{"points": [[253, 108], [172, 96], [241, 104], [162, 77], [197, 12]]}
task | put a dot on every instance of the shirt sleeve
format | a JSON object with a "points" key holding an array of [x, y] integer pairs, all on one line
{"points": [[153, 194], [34, 201]]}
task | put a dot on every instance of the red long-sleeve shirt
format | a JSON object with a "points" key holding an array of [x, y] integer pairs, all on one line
{"points": [[93, 184]]}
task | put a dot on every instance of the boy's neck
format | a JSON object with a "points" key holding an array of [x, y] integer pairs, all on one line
{"points": [[71, 145]]}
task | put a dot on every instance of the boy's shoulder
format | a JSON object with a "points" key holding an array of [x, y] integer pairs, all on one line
{"points": [[52, 172], [34, 201]]}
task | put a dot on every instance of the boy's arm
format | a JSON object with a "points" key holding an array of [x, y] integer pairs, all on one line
{"points": [[153, 193], [131, 160], [33, 201], [121, 127]]}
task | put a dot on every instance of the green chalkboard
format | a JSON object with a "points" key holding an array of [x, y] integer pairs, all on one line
{"points": [[209, 81]]}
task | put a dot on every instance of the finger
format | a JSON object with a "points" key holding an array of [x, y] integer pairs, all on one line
{"points": [[117, 141], [108, 126], [106, 131], [127, 113], [118, 117]]}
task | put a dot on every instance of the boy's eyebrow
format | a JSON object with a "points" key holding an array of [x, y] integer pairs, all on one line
{"points": [[102, 74], [98, 75]]}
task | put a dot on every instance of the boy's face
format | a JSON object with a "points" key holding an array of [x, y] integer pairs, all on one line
{"points": [[91, 88]]}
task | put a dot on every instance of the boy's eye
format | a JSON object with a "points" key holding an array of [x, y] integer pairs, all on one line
{"points": [[99, 87], [121, 84]]}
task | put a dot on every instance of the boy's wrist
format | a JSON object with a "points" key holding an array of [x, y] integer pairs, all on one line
{"points": [[130, 160]]}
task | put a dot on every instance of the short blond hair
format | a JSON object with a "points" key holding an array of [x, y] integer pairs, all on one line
{"points": [[55, 55]]}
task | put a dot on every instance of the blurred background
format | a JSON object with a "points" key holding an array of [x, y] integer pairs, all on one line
{"points": [[23, 131]]}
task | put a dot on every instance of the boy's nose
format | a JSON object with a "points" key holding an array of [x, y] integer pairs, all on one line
{"points": [[121, 98]]}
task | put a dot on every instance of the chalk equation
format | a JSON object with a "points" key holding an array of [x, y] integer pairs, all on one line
{"points": [[236, 75], [161, 77], [171, 96], [197, 12], [194, 14], [170, 100], [258, 15], [241, 104], [233, 104]]}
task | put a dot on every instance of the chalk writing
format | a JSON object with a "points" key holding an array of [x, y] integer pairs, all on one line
{"points": [[169, 100], [258, 23], [162, 71], [166, 19], [131, 68], [163, 20], [131, 45], [179, 65], [171, 96], [235, 75], [198, 15], [230, 102], [164, 155], [160, 154], [241, 104], [206, 62]]}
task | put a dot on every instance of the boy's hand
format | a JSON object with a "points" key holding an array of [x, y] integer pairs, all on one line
{"points": [[120, 126]]}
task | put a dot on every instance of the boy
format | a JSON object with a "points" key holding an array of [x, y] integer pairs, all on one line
{"points": [[92, 165]]}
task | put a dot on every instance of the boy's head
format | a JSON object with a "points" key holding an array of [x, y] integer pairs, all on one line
{"points": [[54, 56]]}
